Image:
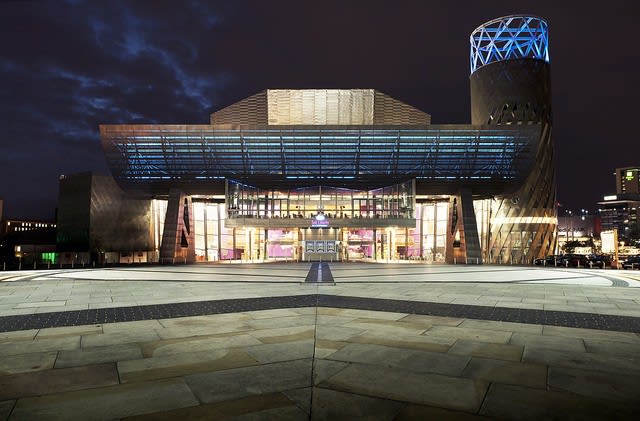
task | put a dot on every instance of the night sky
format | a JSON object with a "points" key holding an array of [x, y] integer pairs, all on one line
{"points": [[67, 66]]}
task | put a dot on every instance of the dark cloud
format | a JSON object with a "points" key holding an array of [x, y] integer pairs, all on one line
{"points": [[66, 67]]}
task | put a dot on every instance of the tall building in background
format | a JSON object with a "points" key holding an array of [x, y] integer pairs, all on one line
{"points": [[627, 180], [354, 174], [621, 211]]}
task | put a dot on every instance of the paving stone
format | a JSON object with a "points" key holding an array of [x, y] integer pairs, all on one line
{"points": [[429, 321], [173, 332], [287, 413], [5, 409], [292, 321], [97, 355], [204, 321], [484, 335], [417, 342], [107, 403], [420, 361], [196, 343], [582, 360], [287, 334], [413, 412], [522, 403], [269, 353], [345, 312], [301, 397], [124, 336], [241, 382], [378, 328], [597, 346], [507, 372], [487, 350], [270, 314], [41, 304], [57, 380], [337, 333], [571, 332], [255, 404], [22, 363], [18, 335], [323, 369], [133, 326], [42, 345], [53, 332], [596, 384], [332, 405], [183, 364], [557, 343], [401, 385], [504, 326]]}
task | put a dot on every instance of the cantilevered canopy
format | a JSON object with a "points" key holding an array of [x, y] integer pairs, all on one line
{"points": [[151, 159]]}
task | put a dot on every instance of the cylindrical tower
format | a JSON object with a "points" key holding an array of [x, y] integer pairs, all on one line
{"points": [[510, 84], [510, 81]]}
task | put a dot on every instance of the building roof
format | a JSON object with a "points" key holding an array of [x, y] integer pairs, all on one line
{"points": [[282, 107]]}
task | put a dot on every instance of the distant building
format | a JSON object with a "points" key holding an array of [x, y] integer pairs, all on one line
{"points": [[621, 211], [27, 241], [627, 181], [578, 227]]}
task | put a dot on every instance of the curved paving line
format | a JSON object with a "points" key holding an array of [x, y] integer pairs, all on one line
{"points": [[200, 308]]}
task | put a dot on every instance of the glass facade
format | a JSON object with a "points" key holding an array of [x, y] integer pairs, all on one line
{"points": [[152, 159]]}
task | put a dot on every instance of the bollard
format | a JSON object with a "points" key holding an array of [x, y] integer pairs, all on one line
{"points": [[20, 265], [34, 265], [48, 265], [72, 264], [455, 261], [94, 264], [4, 266], [477, 260]]}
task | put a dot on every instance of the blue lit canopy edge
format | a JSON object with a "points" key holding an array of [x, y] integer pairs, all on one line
{"points": [[152, 159], [508, 38]]}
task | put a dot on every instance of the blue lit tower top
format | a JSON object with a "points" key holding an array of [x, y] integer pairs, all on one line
{"points": [[509, 37]]}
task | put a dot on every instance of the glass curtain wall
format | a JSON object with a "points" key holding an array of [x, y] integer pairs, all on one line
{"points": [[396, 201]]}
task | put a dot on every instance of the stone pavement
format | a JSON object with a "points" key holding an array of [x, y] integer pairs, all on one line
{"points": [[388, 342]]}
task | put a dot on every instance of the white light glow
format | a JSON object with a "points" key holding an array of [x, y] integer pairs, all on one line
{"points": [[525, 220]]}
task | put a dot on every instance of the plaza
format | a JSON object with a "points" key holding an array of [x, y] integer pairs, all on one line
{"points": [[319, 341]]}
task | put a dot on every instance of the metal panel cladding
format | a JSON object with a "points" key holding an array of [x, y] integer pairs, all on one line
{"points": [[509, 37]]}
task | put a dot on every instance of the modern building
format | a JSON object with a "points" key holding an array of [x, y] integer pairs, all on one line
{"points": [[26, 241], [338, 174], [621, 211]]}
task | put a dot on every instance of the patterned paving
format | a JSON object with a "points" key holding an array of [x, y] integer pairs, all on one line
{"points": [[415, 343], [201, 308]]}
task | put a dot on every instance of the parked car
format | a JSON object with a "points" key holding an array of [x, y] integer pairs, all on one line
{"points": [[574, 260], [599, 261], [551, 260], [631, 262]]}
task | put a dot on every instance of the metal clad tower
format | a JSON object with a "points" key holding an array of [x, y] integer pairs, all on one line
{"points": [[510, 85]]}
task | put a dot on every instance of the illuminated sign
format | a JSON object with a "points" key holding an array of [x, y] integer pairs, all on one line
{"points": [[319, 221], [613, 197], [609, 241]]}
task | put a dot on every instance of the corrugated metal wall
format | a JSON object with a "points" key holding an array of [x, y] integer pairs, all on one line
{"points": [[320, 107]]}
